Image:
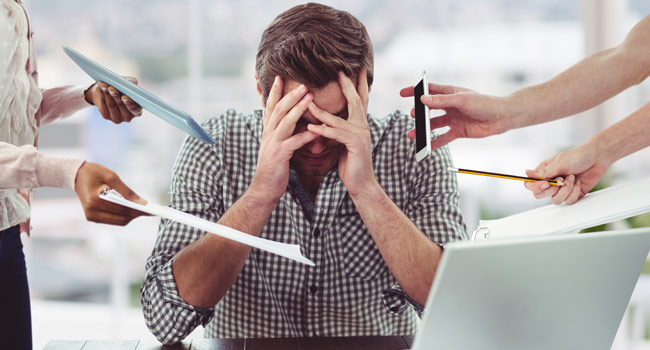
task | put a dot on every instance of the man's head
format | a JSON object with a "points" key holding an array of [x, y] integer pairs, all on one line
{"points": [[310, 44]]}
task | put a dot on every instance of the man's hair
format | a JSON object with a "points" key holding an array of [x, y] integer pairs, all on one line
{"points": [[310, 44]]}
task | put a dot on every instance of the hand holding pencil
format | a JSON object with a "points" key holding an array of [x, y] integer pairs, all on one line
{"points": [[584, 164], [549, 178]]}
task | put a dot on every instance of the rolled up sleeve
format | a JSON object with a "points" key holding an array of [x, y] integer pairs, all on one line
{"points": [[169, 318], [194, 190]]}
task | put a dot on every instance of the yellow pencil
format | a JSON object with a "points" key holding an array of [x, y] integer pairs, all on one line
{"points": [[504, 176]]}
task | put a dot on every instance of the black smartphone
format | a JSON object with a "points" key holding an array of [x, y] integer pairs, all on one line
{"points": [[422, 125]]}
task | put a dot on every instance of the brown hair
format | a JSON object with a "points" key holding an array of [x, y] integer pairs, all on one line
{"points": [[310, 44]]}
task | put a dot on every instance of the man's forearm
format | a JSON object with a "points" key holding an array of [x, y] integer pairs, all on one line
{"points": [[410, 255], [207, 268]]}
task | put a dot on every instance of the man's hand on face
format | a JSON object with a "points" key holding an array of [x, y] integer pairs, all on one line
{"points": [[355, 165], [281, 114]]}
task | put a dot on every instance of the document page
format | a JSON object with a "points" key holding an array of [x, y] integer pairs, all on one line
{"points": [[290, 251]]}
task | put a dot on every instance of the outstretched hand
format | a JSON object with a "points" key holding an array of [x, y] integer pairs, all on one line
{"points": [[467, 114], [112, 104], [91, 180], [579, 168]]}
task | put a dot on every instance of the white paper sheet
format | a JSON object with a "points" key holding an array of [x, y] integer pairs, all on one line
{"points": [[596, 208], [290, 251]]}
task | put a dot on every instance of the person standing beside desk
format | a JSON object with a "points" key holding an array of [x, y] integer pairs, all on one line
{"points": [[581, 87], [312, 168], [23, 108]]}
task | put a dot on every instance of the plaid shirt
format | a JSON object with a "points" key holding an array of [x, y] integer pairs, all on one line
{"points": [[350, 291]]}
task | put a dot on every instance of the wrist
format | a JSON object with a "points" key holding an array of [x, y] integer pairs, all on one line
{"points": [[370, 193], [259, 195], [602, 151], [510, 114]]}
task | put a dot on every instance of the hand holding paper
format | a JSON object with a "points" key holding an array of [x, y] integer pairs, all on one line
{"points": [[290, 251]]}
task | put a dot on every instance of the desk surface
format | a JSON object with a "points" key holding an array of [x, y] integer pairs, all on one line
{"points": [[348, 343]]}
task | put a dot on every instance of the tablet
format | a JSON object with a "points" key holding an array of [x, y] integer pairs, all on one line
{"points": [[144, 98]]}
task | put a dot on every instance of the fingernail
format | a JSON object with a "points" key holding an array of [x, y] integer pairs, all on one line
{"points": [[302, 88], [275, 81], [426, 98], [125, 99], [102, 87], [545, 185], [112, 91]]}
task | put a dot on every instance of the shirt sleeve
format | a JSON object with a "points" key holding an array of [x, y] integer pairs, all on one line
{"points": [[434, 207], [195, 190], [61, 102], [24, 167]]}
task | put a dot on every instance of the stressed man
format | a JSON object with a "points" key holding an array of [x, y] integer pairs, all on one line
{"points": [[311, 168]]}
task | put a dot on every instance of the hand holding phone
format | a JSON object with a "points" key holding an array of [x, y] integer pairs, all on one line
{"points": [[422, 125]]}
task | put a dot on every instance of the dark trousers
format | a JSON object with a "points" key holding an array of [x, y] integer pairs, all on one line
{"points": [[15, 312]]}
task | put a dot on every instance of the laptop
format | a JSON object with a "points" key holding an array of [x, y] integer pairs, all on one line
{"points": [[547, 292]]}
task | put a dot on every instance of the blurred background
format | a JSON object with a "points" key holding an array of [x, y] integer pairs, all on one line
{"points": [[199, 55]]}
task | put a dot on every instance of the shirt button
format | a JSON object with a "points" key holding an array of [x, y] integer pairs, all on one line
{"points": [[313, 289], [317, 233]]}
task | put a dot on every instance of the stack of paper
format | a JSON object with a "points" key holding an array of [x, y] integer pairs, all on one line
{"points": [[596, 208]]}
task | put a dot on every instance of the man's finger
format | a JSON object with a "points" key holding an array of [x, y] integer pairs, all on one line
{"points": [[325, 117], [296, 141], [340, 135], [362, 87], [351, 95], [288, 124], [274, 96], [285, 104]]}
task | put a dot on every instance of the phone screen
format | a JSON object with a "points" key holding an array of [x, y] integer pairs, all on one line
{"points": [[421, 120]]}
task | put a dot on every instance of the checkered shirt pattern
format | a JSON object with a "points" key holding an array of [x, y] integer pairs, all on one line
{"points": [[350, 291]]}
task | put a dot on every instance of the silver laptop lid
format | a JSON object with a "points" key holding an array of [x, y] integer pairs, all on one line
{"points": [[553, 292]]}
